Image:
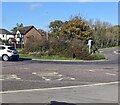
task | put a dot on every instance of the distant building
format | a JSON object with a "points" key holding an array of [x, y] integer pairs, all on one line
{"points": [[23, 34], [5, 34]]}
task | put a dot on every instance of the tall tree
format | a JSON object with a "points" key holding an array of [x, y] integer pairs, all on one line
{"points": [[55, 28], [17, 26], [75, 28]]}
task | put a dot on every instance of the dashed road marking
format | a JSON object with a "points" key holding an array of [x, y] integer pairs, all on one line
{"points": [[46, 79], [9, 77], [60, 79], [34, 73], [91, 70], [110, 74], [72, 78], [60, 75], [117, 52], [52, 75]]}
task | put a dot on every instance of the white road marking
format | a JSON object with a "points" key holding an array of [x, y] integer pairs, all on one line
{"points": [[60, 79], [110, 74], [9, 77], [58, 88], [55, 73], [60, 75], [18, 78], [47, 79], [72, 78], [117, 52], [91, 70], [34, 73]]}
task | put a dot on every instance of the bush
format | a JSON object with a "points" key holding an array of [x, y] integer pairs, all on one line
{"points": [[97, 56], [37, 46], [70, 49]]}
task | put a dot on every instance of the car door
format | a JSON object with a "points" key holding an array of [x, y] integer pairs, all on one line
{"points": [[1, 52], [2, 48]]}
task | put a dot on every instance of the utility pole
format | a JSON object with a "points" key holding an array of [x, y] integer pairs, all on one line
{"points": [[47, 26]]}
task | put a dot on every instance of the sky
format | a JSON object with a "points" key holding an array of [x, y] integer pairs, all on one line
{"points": [[40, 14]]}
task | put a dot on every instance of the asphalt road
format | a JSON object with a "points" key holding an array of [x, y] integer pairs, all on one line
{"points": [[39, 81]]}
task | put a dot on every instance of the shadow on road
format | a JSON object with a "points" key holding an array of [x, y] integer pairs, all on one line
{"points": [[60, 103], [24, 59]]}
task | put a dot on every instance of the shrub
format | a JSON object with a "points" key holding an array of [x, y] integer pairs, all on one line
{"points": [[37, 46]]}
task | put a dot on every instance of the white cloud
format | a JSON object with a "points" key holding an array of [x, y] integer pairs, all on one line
{"points": [[35, 6]]}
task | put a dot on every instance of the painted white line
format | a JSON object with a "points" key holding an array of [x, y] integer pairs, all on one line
{"points": [[18, 78], [72, 78], [58, 88], [60, 75], [110, 74], [34, 73], [91, 70], [60, 79], [117, 52], [55, 73], [46, 79]]}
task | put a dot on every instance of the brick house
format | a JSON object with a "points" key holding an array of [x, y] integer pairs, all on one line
{"points": [[24, 34]]}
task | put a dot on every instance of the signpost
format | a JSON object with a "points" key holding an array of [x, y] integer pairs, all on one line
{"points": [[90, 42]]}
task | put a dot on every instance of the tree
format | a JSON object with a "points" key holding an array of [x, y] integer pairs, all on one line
{"points": [[55, 28], [104, 34], [17, 26], [75, 28]]}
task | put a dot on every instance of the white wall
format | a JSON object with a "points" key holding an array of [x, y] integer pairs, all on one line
{"points": [[6, 37]]}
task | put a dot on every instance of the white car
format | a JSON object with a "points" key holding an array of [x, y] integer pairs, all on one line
{"points": [[8, 53]]}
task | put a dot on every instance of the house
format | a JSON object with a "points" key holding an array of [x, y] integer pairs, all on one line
{"points": [[24, 34], [5, 34]]}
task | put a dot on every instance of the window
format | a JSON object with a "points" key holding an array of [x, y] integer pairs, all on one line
{"points": [[11, 48], [3, 36], [2, 48]]}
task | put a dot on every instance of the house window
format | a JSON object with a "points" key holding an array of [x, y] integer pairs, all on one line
{"points": [[3, 36]]}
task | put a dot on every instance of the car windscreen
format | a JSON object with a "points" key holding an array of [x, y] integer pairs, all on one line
{"points": [[11, 48]]}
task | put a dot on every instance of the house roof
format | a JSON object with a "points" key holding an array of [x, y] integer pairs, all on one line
{"points": [[24, 30], [4, 31]]}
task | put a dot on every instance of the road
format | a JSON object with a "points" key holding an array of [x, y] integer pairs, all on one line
{"points": [[39, 81]]}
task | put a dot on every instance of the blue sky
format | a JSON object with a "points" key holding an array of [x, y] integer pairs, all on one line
{"points": [[40, 14]]}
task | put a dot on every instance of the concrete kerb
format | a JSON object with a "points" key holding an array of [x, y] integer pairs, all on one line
{"points": [[71, 60]]}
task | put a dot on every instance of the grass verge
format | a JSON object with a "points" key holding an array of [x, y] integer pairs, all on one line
{"points": [[97, 56]]}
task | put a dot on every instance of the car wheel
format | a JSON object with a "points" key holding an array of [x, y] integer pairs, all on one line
{"points": [[5, 57]]}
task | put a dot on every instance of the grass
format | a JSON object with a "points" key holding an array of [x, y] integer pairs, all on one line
{"points": [[97, 56], [46, 57]]}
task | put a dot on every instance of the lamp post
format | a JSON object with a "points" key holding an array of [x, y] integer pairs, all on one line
{"points": [[47, 26]]}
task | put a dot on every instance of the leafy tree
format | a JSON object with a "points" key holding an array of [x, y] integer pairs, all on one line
{"points": [[104, 34], [75, 28], [55, 28]]}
